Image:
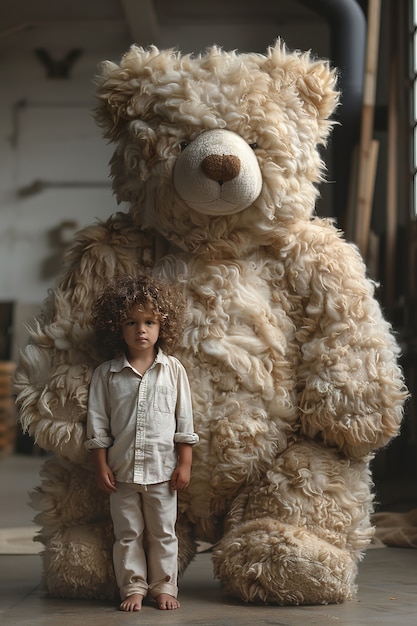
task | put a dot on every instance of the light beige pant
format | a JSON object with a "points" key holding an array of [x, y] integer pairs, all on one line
{"points": [[145, 552]]}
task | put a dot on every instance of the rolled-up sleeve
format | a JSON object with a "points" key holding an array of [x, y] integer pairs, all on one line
{"points": [[191, 438], [184, 411], [98, 414]]}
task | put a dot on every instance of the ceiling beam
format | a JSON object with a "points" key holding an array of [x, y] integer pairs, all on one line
{"points": [[142, 21]]}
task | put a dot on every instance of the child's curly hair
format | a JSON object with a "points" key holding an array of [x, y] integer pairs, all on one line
{"points": [[115, 302]]}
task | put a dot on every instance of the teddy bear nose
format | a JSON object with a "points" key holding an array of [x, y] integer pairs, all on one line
{"points": [[221, 167]]}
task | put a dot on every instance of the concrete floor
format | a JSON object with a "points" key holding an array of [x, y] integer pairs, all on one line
{"points": [[387, 584]]}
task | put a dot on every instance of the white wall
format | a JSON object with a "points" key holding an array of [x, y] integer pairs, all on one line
{"points": [[48, 135]]}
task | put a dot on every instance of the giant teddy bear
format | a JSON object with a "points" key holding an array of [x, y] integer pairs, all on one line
{"points": [[292, 366]]}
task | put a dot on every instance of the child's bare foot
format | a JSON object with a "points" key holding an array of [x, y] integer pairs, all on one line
{"points": [[132, 603], [167, 602]]}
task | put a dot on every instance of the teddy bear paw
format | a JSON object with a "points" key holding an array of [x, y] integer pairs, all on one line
{"points": [[266, 561]]}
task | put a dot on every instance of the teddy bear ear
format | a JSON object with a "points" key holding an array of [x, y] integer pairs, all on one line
{"points": [[116, 86], [315, 81]]}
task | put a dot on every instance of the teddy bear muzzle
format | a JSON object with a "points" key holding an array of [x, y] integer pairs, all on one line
{"points": [[218, 174]]}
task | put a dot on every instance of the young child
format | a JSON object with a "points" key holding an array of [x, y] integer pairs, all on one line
{"points": [[140, 433]]}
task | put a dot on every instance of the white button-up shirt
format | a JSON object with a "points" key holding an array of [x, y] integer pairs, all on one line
{"points": [[140, 418]]}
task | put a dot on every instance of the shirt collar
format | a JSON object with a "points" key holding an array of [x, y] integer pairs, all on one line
{"points": [[121, 362]]}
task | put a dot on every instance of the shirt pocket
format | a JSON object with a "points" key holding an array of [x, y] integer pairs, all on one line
{"points": [[164, 400]]}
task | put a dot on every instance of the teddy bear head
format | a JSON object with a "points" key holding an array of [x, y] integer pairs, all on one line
{"points": [[220, 146]]}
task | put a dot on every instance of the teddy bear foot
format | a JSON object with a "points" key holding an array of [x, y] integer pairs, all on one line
{"points": [[266, 561], [77, 563]]}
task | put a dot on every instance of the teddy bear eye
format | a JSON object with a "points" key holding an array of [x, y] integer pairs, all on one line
{"points": [[183, 145], [253, 145]]}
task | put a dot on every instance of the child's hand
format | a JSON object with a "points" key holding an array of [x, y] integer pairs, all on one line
{"points": [[181, 477], [105, 480]]}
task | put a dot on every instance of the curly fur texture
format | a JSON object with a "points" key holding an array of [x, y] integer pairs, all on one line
{"points": [[292, 366]]}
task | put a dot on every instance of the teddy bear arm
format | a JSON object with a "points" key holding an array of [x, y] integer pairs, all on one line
{"points": [[352, 388], [51, 413]]}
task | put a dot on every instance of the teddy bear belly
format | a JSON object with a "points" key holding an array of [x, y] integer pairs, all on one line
{"points": [[240, 355], [240, 435]]}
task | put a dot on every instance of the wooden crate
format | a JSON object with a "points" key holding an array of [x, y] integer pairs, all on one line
{"points": [[8, 413]]}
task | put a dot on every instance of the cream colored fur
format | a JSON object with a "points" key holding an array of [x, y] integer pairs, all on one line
{"points": [[292, 366]]}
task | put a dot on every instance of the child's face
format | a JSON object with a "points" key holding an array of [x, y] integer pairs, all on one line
{"points": [[140, 330]]}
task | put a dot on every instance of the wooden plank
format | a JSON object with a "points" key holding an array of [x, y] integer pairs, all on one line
{"points": [[142, 21], [369, 187], [363, 206], [392, 164], [350, 219]]}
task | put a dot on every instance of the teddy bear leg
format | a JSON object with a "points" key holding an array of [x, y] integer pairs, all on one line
{"points": [[187, 547], [296, 537], [76, 530], [77, 563]]}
